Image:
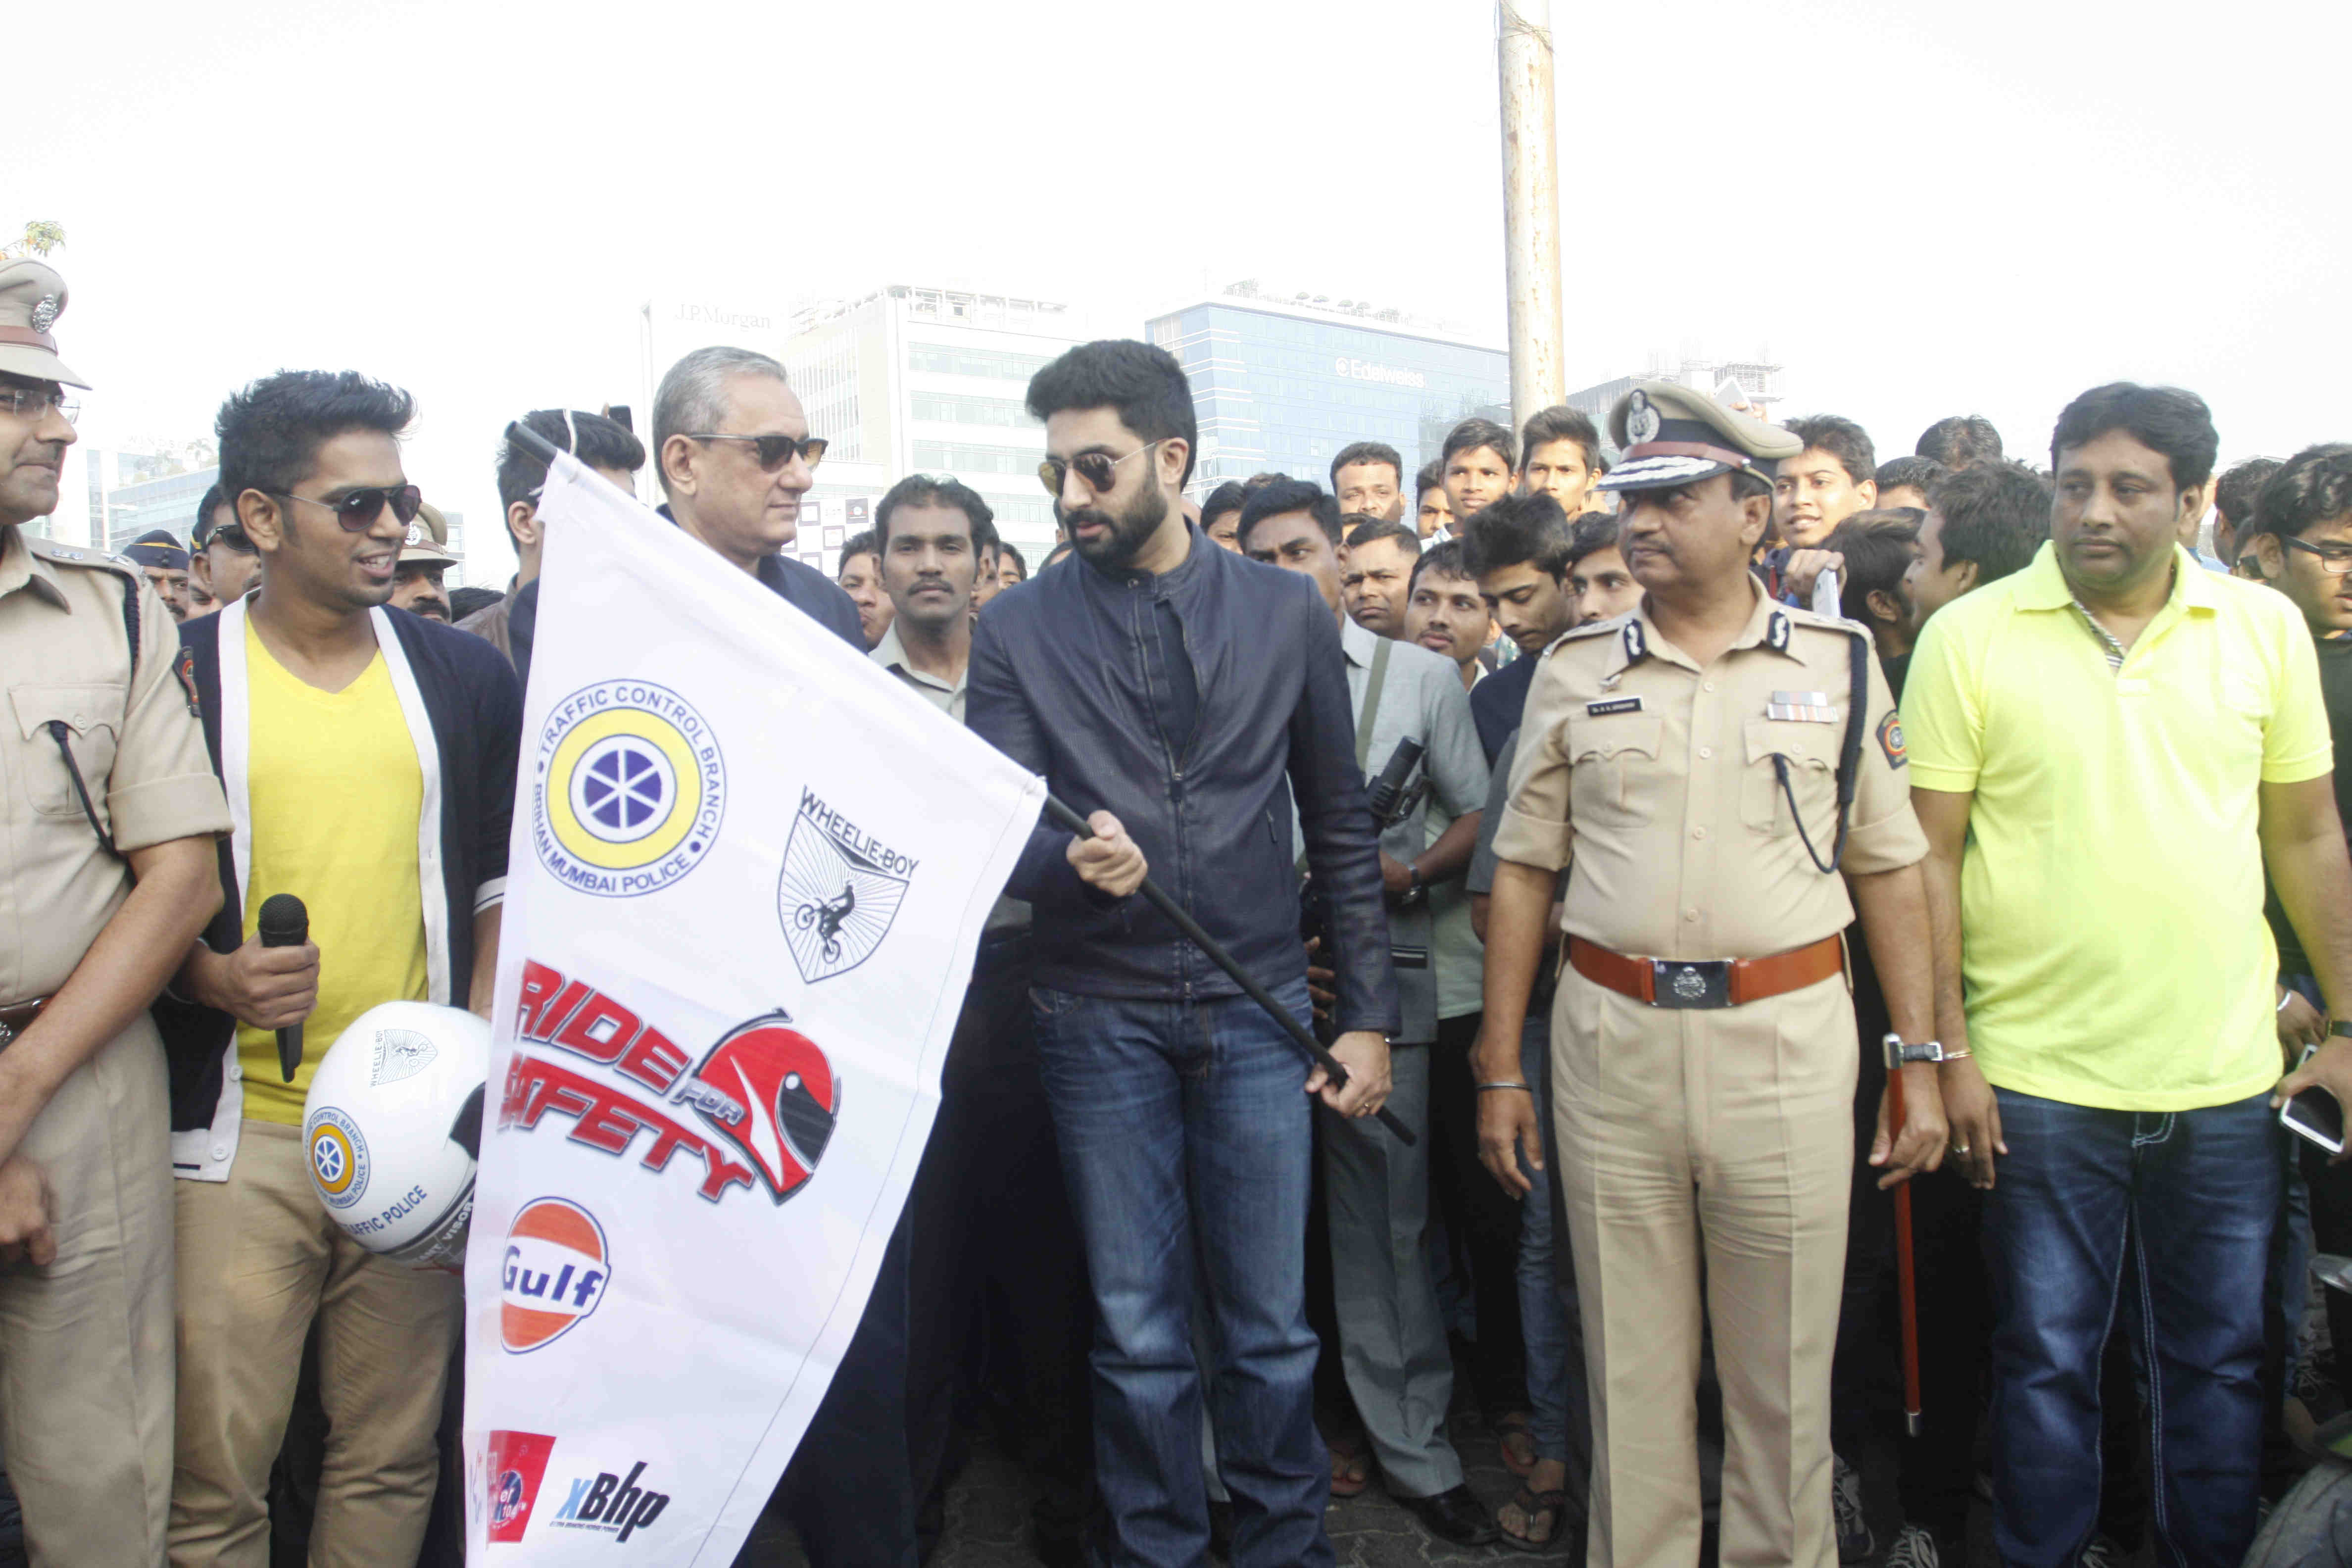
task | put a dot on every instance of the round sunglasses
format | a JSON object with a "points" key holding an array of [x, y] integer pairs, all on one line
{"points": [[1098, 469]]}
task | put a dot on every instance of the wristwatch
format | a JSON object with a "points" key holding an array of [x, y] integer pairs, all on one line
{"points": [[1415, 893], [1898, 1054]]}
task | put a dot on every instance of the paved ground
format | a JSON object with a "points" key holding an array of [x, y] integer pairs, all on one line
{"points": [[988, 1519]]}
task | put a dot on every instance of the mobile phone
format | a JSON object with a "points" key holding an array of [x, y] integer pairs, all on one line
{"points": [[2314, 1114]]}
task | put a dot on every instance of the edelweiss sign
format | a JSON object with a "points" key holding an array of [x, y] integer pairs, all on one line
{"points": [[736, 936], [1365, 370]]}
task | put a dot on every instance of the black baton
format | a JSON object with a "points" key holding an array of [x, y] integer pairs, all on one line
{"points": [[1300, 1036]]}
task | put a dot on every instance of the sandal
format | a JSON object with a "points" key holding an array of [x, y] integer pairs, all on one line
{"points": [[1532, 1507], [1514, 1436], [1351, 1471]]}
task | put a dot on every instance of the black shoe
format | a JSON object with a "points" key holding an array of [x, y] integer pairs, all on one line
{"points": [[1456, 1516]]}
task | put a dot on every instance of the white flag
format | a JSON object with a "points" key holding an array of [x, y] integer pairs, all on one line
{"points": [[749, 874]]}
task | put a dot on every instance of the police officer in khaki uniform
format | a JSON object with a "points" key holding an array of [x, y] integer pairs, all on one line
{"points": [[110, 809], [1719, 775]]}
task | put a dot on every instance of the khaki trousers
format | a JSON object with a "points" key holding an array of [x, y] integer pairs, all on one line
{"points": [[258, 1261], [1707, 1151], [85, 1343]]}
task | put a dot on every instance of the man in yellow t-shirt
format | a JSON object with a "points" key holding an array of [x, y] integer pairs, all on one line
{"points": [[353, 867], [369, 761], [2106, 748]]}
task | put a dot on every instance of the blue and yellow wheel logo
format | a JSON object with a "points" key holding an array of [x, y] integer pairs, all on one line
{"points": [[628, 789], [339, 1157]]}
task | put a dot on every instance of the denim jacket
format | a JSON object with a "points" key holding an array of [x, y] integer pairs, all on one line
{"points": [[1057, 683]]}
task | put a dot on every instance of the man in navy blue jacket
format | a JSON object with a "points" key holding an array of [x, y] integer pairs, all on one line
{"points": [[1180, 693], [732, 447]]}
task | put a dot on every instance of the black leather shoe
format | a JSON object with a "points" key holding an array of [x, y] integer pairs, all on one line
{"points": [[1456, 1516]]}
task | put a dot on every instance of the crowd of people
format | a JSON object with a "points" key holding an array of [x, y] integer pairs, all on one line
{"points": [[1693, 837]]}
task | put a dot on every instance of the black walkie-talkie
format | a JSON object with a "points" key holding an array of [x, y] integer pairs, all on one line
{"points": [[1389, 797]]}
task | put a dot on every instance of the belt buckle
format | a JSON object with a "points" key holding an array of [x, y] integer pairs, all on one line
{"points": [[1679, 984]]}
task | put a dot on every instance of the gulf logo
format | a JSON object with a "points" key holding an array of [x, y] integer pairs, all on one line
{"points": [[556, 1269]]}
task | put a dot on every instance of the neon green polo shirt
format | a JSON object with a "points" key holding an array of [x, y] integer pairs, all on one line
{"points": [[2112, 946]]}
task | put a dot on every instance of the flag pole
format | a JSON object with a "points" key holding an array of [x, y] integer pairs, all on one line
{"points": [[1300, 1036], [1154, 894]]}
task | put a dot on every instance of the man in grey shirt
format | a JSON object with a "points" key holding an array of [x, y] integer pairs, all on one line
{"points": [[1392, 1343]]}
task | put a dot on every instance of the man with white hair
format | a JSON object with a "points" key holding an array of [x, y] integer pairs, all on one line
{"points": [[732, 448]]}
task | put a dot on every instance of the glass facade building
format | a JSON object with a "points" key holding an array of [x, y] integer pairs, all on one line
{"points": [[139, 500], [1282, 388]]}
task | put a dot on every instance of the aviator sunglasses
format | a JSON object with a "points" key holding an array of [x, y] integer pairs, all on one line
{"points": [[1098, 469], [356, 510], [772, 452]]}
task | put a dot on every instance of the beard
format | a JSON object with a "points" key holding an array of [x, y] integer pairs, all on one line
{"points": [[1125, 530]]}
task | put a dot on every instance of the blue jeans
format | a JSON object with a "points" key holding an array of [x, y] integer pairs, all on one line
{"points": [[2185, 1201], [1187, 1143], [1561, 1416]]}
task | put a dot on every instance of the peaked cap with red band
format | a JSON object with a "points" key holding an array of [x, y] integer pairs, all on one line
{"points": [[1674, 434]]}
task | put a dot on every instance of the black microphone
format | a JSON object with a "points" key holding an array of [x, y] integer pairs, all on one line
{"points": [[1388, 788], [284, 922]]}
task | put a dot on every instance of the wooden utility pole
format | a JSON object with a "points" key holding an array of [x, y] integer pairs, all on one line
{"points": [[1530, 205]]}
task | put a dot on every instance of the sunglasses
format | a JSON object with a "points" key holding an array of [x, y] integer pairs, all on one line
{"points": [[1098, 469], [772, 452], [356, 512], [231, 535]]}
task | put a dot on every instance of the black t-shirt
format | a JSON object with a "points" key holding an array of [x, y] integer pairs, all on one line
{"points": [[1175, 687], [2335, 692]]}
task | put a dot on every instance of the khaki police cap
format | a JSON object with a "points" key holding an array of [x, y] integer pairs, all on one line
{"points": [[32, 298], [428, 538], [1675, 435]]}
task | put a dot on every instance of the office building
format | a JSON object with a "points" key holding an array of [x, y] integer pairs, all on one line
{"points": [[1284, 381], [132, 492]]}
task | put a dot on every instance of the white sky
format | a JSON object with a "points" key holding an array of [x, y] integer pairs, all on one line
{"points": [[1979, 207]]}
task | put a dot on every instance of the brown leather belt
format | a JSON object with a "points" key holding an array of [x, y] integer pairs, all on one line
{"points": [[1707, 982], [15, 1020]]}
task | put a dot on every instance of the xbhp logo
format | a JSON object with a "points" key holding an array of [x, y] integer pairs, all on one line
{"points": [[611, 1503]]}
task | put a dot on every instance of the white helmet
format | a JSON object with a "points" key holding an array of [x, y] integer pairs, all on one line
{"points": [[393, 1124]]}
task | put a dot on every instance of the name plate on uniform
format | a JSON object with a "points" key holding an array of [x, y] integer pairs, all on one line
{"points": [[1613, 705], [1409, 957]]}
